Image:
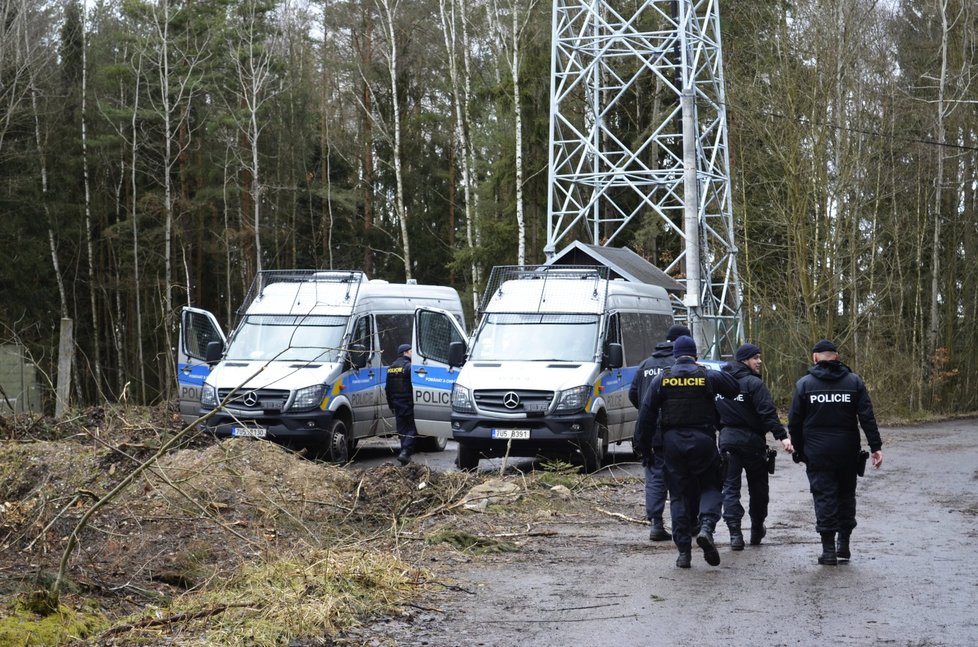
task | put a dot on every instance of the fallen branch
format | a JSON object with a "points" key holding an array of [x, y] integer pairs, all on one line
{"points": [[623, 517], [180, 617]]}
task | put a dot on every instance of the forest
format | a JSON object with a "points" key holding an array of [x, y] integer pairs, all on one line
{"points": [[158, 153]]}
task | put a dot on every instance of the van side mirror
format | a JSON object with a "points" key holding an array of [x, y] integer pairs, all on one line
{"points": [[456, 353], [358, 356], [214, 351], [614, 357]]}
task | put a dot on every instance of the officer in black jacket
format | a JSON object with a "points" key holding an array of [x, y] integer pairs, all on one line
{"points": [[400, 399], [682, 399], [655, 480], [745, 421], [829, 406]]}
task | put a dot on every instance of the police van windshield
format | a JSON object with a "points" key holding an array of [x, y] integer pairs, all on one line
{"points": [[542, 337], [287, 337]]}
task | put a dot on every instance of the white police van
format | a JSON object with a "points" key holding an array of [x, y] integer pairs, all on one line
{"points": [[307, 361], [551, 361]]}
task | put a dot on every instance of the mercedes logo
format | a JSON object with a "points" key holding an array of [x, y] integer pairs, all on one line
{"points": [[250, 399], [511, 400]]}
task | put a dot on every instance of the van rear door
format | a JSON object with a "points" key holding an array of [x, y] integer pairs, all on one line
{"points": [[432, 379], [197, 329]]}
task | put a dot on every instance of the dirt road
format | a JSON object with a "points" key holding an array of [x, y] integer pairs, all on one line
{"points": [[598, 581]]}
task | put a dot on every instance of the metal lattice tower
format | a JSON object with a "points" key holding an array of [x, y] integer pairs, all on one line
{"points": [[603, 178]]}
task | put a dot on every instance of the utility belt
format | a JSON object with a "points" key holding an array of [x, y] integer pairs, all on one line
{"points": [[706, 429]]}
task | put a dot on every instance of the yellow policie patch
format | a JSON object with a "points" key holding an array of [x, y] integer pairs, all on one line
{"points": [[684, 381]]}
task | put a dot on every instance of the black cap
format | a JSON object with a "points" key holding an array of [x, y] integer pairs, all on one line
{"points": [[676, 331], [403, 348], [746, 351], [684, 347], [824, 346]]}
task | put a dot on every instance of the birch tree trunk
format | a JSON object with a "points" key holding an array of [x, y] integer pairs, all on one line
{"points": [[389, 10], [473, 226], [459, 97], [255, 88], [940, 137], [92, 279], [133, 149], [513, 55]]}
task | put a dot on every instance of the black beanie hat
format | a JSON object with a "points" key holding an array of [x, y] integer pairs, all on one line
{"points": [[824, 346], [684, 346], [676, 331], [746, 351]]}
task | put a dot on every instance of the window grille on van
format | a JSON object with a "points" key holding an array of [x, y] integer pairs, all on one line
{"points": [[255, 399], [513, 400], [556, 280]]}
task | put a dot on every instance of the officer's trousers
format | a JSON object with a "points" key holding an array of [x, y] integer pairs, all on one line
{"points": [[834, 493], [655, 486], [754, 464], [404, 420], [693, 474]]}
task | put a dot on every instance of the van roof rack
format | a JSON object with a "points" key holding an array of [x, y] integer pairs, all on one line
{"points": [[550, 274], [264, 278]]}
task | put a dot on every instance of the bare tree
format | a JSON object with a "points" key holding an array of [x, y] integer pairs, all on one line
{"points": [[511, 42], [461, 92], [256, 85], [176, 64], [388, 10]]}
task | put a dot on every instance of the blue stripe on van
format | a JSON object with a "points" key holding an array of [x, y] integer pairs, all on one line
{"points": [[198, 373]]}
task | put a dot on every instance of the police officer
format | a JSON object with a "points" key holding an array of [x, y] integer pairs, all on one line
{"points": [[745, 421], [682, 399], [655, 480], [400, 399], [829, 406]]}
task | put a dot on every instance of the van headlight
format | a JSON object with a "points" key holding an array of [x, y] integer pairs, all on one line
{"points": [[307, 398], [571, 400], [462, 399], [208, 395]]}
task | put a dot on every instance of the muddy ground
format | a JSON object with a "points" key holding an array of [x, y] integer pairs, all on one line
{"points": [[547, 567], [598, 580]]}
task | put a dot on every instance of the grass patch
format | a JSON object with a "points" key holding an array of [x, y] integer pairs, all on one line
{"points": [[471, 543], [22, 625], [557, 472], [315, 595]]}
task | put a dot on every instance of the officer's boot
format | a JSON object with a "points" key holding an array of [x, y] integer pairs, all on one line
{"points": [[404, 457], [828, 556], [736, 536], [658, 531], [842, 545], [684, 560], [705, 541], [757, 532]]}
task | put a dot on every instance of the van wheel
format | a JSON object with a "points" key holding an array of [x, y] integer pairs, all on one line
{"points": [[593, 447], [338, 443], [431, 443], [468, 457]]}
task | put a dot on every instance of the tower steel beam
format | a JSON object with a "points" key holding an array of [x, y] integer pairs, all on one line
{"points": [[603, 178]]}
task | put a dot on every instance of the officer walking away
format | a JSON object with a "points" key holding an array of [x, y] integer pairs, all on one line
{"points": [[829, 406], [400, 399], [653, 461], [745, 420], [682, 399]]}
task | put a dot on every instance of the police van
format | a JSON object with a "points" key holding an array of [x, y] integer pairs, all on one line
{"points": [[307, 361], [550, 362]]}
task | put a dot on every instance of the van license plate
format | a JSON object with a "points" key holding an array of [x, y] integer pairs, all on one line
{"points": [[511, 434], [248, 432]]}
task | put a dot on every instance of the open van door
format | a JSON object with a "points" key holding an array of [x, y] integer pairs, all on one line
{"points": [[432, 378], [198, 328]]}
